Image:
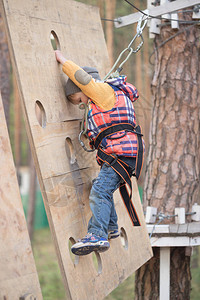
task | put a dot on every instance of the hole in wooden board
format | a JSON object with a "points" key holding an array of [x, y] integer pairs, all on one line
{"points": [[97, 262], [70, 151], [40, 114], [74, 258], [54, 41], [124, 239]]}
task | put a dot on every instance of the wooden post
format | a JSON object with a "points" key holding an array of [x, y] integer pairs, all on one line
{"points": [[164, 273], [18, 275]]}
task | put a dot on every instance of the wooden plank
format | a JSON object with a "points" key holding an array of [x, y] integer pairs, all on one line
{"points": [[18, 275], [189, 229], [176, 241], [53, 126], [155, 12], [164, 273]]}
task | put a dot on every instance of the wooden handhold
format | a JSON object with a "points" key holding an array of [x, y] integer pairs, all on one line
{"points": [[154, 26], [151, 214], [180, 212], [196, 12], [196, 210], [174, 21]]}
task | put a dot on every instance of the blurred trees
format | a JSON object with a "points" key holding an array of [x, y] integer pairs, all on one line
{"points": [[13, 115], [4, 71]]}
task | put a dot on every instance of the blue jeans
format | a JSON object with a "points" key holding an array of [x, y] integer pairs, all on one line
{"points": [[104, 216]]}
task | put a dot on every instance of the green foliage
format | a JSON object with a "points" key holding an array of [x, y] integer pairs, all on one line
{"points": [[47, 266]]}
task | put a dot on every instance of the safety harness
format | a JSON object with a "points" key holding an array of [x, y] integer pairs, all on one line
{"points": [[124, 171]]}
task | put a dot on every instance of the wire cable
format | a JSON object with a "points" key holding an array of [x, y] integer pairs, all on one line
{"points": [[160, 18]]}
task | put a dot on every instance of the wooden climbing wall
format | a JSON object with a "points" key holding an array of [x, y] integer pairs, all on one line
{"points": [[64, 169], [18, 275]]}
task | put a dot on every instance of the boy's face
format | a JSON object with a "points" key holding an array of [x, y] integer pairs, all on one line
{"points": [[79, 97]]}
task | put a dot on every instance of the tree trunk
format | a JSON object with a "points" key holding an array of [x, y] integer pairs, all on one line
{"points": [[32, 199], [4, 71], [110, 14], [172, 171]]}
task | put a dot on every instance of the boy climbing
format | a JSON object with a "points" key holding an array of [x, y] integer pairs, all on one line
{"points": [[112, 131]]}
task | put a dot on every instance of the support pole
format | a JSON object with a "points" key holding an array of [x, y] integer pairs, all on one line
{"points": [[165, 273]]}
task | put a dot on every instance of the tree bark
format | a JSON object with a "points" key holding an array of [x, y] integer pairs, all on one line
{"points": [[110, 14], [4, 71], [172, 172], [147, 279]]}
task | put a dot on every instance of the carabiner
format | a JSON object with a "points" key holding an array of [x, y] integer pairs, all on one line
{"points": [[82, 144], [140, 27]]}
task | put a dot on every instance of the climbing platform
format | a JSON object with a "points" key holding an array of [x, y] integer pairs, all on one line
{"points": [[65, 171], [18, 275]]}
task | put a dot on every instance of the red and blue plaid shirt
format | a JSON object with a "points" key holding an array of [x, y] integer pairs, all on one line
{"points": [[124, 143]]}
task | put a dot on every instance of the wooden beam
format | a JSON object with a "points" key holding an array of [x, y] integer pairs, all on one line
{"points": [[179, 241], [187, 229], [18, 274], [175, 235], [155, 12]]}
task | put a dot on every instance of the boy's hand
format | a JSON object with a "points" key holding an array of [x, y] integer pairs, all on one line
{"points": [[59, 57]]}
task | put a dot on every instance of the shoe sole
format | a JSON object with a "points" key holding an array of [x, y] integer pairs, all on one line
{"points": [[84, 250], [113, 236]]}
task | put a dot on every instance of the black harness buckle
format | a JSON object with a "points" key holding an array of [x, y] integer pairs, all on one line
{"points": [[114, 160], [110, 161]]}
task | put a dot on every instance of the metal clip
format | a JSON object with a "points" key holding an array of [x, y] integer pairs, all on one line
{"points": [[82, 144], [140, 28]]}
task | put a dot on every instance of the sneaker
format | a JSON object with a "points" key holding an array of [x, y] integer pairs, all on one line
{"points": [[113, 234], [89, 243]]}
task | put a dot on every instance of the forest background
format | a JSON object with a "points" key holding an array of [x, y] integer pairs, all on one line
{"points": [[139, 70]]}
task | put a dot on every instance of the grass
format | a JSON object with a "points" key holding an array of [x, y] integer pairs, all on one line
{"points": [[51, 281], [195, 270], [47, 266]]}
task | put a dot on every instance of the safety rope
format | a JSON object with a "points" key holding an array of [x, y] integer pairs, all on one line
{"points": [[140, 28], [84, 126]]}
